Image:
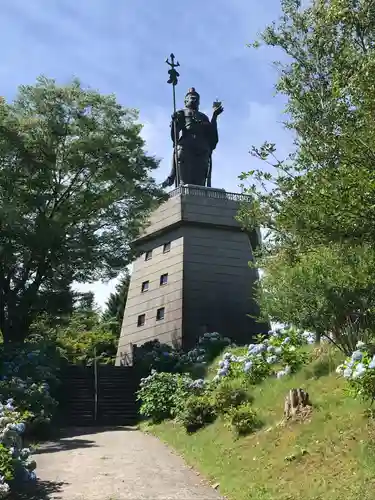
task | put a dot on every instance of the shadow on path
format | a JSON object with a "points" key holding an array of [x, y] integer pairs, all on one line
{"points": [[69, 432], [41, 490], [71, 439], [64, 445]]}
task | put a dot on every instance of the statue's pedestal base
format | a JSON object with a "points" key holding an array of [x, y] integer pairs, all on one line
{"points": [[193, 276]]}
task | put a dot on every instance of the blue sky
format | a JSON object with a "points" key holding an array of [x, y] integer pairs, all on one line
{"points": [[119, 46]]}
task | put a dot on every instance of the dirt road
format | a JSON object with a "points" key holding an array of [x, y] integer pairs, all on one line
{"points": [[115, 465]]}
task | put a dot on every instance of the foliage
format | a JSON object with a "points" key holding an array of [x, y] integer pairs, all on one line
{"points": [[323, 360], [329, 289], [359, 370], [162, 395], [16, 464], [317, 205], [79, 337], [75, 191], [337, 438], [198, 411], [85, 337], [243, 419], [115, 306], [229, 394], [29, 376], [209, 346], [154, 355], [280, 353]]}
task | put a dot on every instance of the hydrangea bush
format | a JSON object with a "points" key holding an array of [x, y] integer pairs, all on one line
{"points": [[16, 464], [279, 353], [359, 370], [28, 374], [161, 394], [154, 355], [195, 403]]}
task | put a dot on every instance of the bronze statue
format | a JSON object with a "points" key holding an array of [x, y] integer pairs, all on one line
{"points": [[196, 138]]}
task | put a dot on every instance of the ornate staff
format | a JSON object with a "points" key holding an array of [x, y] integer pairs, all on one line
{"points": [[173, 79]]}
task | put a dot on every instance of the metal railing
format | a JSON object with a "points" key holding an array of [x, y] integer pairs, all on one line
{"points": [[206, 192]]}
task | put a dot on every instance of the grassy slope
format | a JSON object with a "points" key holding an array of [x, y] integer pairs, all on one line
{"points": [[339, 440]]}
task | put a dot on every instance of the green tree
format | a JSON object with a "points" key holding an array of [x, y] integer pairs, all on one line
{"points": [[75, 190], [115, 306], [318, 204], [83, 338]]}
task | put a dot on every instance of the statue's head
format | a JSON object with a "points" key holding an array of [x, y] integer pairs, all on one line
{"points": [[192, 99]]}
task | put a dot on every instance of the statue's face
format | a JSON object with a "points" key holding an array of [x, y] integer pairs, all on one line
{"points": [[192, 101]]}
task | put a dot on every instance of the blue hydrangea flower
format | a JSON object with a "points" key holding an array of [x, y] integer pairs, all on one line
{"points": [[271, 360], [347, 373], [360, 370], [247, 366], [21, 427], [357, 356], [372, 363], [280, 374], [278, 350], [262, 347]]}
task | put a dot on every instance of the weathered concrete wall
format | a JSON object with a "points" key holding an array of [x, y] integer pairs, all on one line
{"points": [[209, 281], [169, 296], [218, 284]]}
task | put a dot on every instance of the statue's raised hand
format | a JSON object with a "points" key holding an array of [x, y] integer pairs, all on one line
{"points": [[217, 109]]}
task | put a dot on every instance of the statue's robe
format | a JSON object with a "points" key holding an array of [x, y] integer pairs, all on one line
{"points": [[197, 137]]}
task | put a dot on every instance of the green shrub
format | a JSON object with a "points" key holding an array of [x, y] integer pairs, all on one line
{"points": [[6, 467], [154, 355], [359, 370], [243, 420], [324, 361], [212, 344], [162, 395], [29, 376], [163, 358], [230, 394], [197, 412]]}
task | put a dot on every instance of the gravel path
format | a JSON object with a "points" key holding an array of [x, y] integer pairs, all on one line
{"points": [[115, 465]]}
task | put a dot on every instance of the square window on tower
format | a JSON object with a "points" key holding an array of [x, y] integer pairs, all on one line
{"points": [[141, 320], [148, 255], [163, 279], [167, 247], [145, 285], [160, 314]]}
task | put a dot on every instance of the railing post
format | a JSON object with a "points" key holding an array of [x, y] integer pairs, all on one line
{"points": [[96, 386]]}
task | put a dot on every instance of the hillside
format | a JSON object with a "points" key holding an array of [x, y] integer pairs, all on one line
{"points": [[331, 455]]}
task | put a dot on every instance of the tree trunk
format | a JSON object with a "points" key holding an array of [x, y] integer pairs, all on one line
{"points": [[16, 326], [296, 403]]}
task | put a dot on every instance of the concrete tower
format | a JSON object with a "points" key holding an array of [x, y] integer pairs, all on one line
{"points": [[193, 275]]}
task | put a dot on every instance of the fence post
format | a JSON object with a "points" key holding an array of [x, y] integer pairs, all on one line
{"points": [[96, 386]]}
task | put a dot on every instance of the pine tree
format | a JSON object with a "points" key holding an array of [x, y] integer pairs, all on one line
{"points": [[115, 305]]}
